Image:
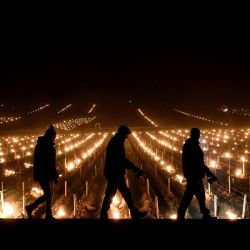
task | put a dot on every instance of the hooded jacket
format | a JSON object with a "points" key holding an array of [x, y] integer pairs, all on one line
{"points": [[116, 161], [193, 164], [45, 160]]}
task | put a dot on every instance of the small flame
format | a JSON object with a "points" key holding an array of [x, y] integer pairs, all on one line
{"points": [[231, 215], [36, 192], [173, 216], [116, 214], [61, 213], [8, 210], [116, 201]]}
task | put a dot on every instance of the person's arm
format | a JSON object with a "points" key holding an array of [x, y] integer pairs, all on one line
{"points": [[137, 171], [36, 172], [130, 165], [210, 176], [186, 161], [55, 174]]}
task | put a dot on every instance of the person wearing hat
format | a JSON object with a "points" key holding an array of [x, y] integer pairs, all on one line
{"points": [[44, 170], [194, 170], [114, 170]]}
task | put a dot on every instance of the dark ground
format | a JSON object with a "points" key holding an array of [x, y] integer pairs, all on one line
{"points": [[131, 234]]}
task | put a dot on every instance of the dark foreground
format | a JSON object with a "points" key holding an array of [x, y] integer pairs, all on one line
{"points": [[122, 233]]}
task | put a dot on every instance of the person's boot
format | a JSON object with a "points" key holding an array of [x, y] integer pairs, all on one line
{"points": [[137, 214], [206, 214], [29, 210], [49, 217], [180, 217], [208, 217], [104, 215]]}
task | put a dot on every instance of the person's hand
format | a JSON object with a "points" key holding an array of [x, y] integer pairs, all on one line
{"points": [[211, 179]]}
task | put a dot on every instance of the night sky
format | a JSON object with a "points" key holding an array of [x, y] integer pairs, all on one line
{"points": [[153, 73]]}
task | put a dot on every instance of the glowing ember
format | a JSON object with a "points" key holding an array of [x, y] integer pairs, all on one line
{"points": [[173, 216], [27, 165], [70, 166], [60, 213], [243, 159], [231, 215], [212, 164], [8, 210], [8, 172], [36, 192], [169, 169], [116, 214], [238, 172], [179, 178], [116, 201], [157, 158]]}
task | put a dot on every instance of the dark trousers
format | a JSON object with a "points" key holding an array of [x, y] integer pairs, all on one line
{"points": [[194, 187], [112, 186], [47, 188]]}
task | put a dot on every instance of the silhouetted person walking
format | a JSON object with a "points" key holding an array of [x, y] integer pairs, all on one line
{"points": [[194, 170], [115, 165], [45, 171]]}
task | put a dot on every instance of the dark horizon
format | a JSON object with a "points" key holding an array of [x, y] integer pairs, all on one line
{"points": [[141, 70], [155, 75]]}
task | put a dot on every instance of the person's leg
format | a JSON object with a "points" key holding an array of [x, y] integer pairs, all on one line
{"points": [[123, 188], [29, 208], [200, 195], [37, 202], [48, 191], [109, 194], [186, 199]]}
